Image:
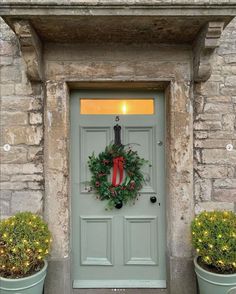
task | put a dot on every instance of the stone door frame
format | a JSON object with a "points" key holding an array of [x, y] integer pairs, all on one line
{"points": [[179, 176]]}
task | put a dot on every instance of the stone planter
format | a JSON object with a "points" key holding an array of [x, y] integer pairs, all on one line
{"points": [[28, 285], [214, 283]]}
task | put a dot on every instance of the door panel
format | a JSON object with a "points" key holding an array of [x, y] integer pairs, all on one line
{"points": [[122, 247], [140, 246]]}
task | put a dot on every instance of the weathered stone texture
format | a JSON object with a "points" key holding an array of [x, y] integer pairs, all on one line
{"points": [[214, 129], [21, 180]]}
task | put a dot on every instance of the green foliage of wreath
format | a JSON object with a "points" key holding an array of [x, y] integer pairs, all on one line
{"points": [[100, 167]]}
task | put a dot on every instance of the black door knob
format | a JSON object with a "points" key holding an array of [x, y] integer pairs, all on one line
{"points": [[153, 199]]}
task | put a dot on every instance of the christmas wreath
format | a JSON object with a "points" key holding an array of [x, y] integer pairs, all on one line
{"points": [[122, 159]]}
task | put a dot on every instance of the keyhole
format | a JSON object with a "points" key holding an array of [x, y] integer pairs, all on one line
{"points": [[117, 118]]}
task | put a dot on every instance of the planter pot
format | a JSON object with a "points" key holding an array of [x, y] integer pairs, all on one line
{"points": [[214, 283], [29, 285]]}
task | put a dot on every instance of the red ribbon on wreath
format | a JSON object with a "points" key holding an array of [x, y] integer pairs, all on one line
{"points": [[118, 167]]}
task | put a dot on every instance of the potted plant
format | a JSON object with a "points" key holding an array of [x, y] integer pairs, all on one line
{"points": [[24, 244], [214, 238]]}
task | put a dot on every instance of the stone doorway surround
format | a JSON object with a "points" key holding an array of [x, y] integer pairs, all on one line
{"points": [[170, 61]]}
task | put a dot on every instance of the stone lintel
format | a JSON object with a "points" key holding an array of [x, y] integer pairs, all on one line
{"points": [[204, 46], [119, 7], [31, 48]]}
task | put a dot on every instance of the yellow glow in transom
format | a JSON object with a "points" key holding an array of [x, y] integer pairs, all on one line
{"points": [[116, 106]]}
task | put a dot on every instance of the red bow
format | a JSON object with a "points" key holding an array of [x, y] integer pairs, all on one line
{"points": [[118, 166]]}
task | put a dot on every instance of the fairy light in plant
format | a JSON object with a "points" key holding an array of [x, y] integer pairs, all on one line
{"points": [[225, 248], [210, 246], [198, 250], [207, 258], [219, 236], [206, 233], [200, 240]]}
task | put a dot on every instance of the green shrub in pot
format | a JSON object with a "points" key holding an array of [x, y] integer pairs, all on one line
{"points": [[25, 242], [214, 238]]}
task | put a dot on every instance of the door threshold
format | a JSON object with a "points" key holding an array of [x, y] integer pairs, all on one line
{"points": [[93, 284]]}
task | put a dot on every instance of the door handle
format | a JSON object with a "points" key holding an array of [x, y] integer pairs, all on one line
{"points": [[153, 199]]}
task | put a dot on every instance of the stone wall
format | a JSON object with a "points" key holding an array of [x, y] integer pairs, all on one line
{"points": [[214, 128], [22, 181], [21, 177]]}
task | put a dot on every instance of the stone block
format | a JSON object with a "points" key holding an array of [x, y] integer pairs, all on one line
{"points": [[207, 125], [23, 89], [4, 178], [13, 185], [228, 135], [210, 88], [7, 89], [35, 185], [198, 103], [27, 178], [219, 98], [197, 155], [9, 48], [23, 135], [208, 116], [15, 155], [18, 103], [225, 183], [10, 73], [200, 134], [218, 108], [230, 81], [211, 143], [228, 91], [203, 188], [27, 201], [15, 169], [6, 60], [213, 171], [225, 195], [213, 205], [4, 207], [5, 194], [218, 156], [228, 121], [35, 118], [35, 153], [230, 59], [13, 118]]}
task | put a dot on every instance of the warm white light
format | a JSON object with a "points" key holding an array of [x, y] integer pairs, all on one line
{"points": [[124, 108]]}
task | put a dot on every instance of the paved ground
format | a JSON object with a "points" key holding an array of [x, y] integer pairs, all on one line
{"points": [[120, 291]]}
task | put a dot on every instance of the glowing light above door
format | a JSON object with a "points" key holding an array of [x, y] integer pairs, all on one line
{"points": [[117, 106]]}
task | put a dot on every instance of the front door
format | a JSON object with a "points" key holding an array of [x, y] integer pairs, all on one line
{"points": [[119, 248]]}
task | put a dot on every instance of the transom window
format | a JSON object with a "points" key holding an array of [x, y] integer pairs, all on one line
{"points": [[116, 106]]}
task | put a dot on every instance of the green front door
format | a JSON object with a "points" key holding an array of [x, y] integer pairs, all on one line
{"points": [[119, 248]]}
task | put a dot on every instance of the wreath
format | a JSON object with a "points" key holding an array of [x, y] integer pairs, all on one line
{"points": [[121, 158]]}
